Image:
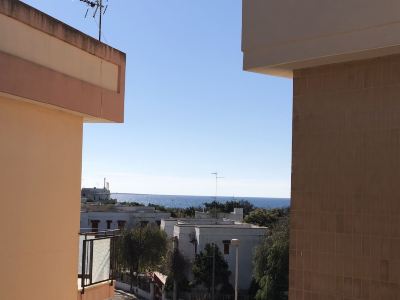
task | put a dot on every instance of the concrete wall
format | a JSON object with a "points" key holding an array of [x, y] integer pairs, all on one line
{"points": [[168, 226], [280, 36], [40, 177], [345, 222], [186, 234], [58, 65]]}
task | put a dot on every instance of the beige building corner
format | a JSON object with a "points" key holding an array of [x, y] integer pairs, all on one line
{"points": [[344, 58], [53, 79]]}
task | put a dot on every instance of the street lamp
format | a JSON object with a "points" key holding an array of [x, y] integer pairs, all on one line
{"points": [[236, 243]]}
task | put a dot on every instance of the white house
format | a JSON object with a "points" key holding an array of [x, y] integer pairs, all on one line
{"points": [[193, 234], [119, 217]]}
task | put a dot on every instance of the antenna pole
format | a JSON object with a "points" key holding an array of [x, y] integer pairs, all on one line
{"points": [[216, 184], [97, 5], [101, 13]]}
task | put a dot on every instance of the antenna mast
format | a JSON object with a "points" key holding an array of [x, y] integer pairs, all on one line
{"points": [[216, 183], [98, 6]]}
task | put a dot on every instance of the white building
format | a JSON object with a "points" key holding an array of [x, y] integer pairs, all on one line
{"points": [[236, 215], [119, 217], [193, 235]]}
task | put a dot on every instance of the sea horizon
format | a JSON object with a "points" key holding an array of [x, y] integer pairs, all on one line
{"points": [[184, 201]]}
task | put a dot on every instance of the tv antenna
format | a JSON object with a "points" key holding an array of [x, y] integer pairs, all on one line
{"points": [[98, 7], [216, 183]]}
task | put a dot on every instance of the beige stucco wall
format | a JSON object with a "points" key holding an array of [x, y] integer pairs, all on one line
{"points": [[279, 36], [53, 53], [40, 179], [59, 65]]}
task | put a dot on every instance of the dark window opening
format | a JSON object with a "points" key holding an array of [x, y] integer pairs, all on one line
{"points": [[109, 224], [226, 246], [121, 225], [95, 225]]}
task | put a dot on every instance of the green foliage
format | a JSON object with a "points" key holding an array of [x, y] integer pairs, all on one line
{"points": [[130, 203], [176, 212], [271, 264], [143, 248], [203, 267], [266, 217], [227, 207], [175, 269]]}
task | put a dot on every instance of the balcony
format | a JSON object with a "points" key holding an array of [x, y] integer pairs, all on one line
{"points": [[97, 261]]}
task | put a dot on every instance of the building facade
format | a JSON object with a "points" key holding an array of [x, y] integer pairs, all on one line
{"points": [[344, 59], [120, 217], [95, 195], [192, 235], [53, 78]]}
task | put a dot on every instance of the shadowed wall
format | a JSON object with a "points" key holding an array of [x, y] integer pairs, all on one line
{"points": [[345, 224], [40, 180]]}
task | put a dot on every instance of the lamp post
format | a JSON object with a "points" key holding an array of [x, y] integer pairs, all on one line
{"points": [[236, 243]]}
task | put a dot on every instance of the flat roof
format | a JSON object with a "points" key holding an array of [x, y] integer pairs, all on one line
{"points": [[41, 21], [59, 66]]}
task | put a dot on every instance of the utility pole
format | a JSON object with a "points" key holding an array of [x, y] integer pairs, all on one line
{"points": [[236, 243], [213, 273], [175, 287]]}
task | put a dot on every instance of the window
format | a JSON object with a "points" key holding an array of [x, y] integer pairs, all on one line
{"points": [[121, 224], [95, 225], [226, 246], [109, 224]]}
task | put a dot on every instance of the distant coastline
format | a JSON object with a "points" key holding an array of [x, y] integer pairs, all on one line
{"points": [[181, 201]]}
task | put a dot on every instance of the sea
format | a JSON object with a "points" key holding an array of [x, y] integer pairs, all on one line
{"points": [[180, 201]]}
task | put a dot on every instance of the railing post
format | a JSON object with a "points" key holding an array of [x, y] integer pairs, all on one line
{"points": [[91, 262], [83, 265]]}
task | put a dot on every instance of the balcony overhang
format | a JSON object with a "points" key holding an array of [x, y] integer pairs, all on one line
{"points": [[281, 36], [47, 62]]}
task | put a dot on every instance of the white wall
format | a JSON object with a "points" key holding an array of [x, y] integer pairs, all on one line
{"points": [[131, 218], [168, 226], [249, 238]]}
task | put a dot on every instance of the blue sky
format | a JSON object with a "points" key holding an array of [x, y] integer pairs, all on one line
{"points": [[190, 109]]}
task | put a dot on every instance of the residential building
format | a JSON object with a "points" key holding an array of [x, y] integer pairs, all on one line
{"points": [[53, 79], [97, 217], [95, 195], [236, 215], [344, 59], [192, 235]]}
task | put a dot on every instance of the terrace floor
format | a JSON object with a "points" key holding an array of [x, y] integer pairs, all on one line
{"points": [[120, 295]]}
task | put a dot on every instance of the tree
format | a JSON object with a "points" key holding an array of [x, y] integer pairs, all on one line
{"points": [[203, 269], [175, 269], [143, 249], [271, 264], [228, 206], [266, 217]]}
